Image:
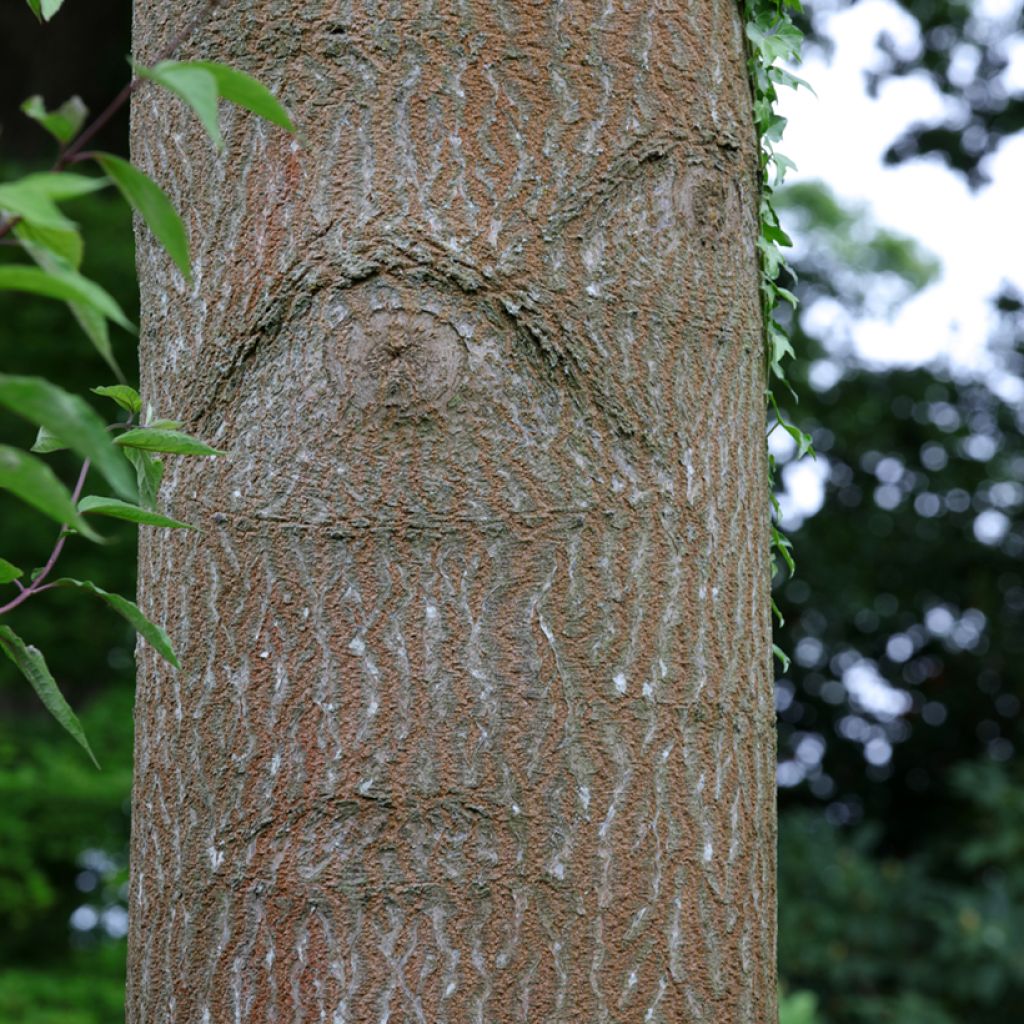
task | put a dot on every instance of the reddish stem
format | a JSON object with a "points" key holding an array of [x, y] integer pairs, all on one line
{"points": [[36, 586]]}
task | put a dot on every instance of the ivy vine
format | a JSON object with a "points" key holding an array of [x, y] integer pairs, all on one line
{"points": [[771, 37]]}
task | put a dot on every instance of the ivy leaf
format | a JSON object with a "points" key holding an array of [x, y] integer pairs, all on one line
{"points": [[149, 199], [172, 441], [32, 480], [151, 632], [125, 396], [71, 420], [149, 471], [9, 573], [64, 123], [245, 91], [195, 85], [93, 505], [64, 284], [32, 665]]}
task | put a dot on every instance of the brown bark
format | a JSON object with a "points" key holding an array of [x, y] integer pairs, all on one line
{"points": [[474, 722]]}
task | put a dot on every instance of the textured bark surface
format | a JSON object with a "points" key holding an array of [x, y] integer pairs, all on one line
{"points": [[474, 722]]}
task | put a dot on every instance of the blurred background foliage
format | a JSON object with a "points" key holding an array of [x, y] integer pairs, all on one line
{"points": [[901, 797]]}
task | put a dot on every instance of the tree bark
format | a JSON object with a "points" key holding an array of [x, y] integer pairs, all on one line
{"points": [[475, 718]]}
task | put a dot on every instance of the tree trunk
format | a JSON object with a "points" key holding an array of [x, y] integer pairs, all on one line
{"points": [[475, 720]]}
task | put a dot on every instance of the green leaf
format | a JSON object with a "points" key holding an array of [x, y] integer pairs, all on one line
{"points": [[72, 420], [60, 185], [782, 656], [9, 573], [32, 480], [68, 285], [93, 323], [49, 9], [96, 329], [64, 243], [32, 665], [34, 198], [151, 632], [172, 441], [126, 397], [35, 8], [33, 206], [64, 123], [97, 506], [195, 85], [46, 442], [151, 202], [245, 91], [149, 471]]}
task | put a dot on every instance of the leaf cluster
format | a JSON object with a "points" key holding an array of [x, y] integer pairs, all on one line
{"points": [[127, 453], [771, 37]]}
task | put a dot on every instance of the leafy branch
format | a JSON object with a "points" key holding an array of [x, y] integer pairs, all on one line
{"points": [[125, 453]]}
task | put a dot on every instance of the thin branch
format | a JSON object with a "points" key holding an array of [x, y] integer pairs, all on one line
{"points": [[74, 152], [36, 586]]}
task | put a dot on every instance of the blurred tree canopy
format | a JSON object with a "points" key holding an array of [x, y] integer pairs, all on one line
{"points": [[902, 806], [902, 881], [964, 48]]}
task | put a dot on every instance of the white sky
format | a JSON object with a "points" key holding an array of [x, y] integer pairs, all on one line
{"points": [[979, 237]]}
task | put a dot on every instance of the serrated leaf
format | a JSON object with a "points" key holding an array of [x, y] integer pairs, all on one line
{"points": [[149, 631], [64, 123], [64, 284], [125, 396], [171, 441], [69, 419], [8, 572], [149, 471], [32, 480], [195, 85], [32, 665], [156, 209], [93, 505], [46, 442], [245, 91]]}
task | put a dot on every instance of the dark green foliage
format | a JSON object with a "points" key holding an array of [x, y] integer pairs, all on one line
{"points": [[54, 806], [902, 876]]}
